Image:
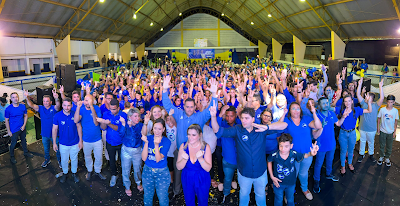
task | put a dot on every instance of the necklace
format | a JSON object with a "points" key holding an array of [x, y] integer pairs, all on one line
{"points": [[195, 146], [324, 118]]}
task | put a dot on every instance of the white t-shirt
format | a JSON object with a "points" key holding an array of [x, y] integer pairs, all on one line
{"points": [[388, 118], [171, 134]]}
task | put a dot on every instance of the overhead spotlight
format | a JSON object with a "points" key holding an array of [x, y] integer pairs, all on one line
{"points": [[134, 16], [101, 1], [222, 14], [397, 44], [151, 24], [398, 31], [252, 23], [180, 14], [162, 29], [302, 0], [269, 15]]}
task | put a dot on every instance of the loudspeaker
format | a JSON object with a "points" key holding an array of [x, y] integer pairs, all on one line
{"points": [[66, 76], [335, 67], [44, 90], [367, 84]]}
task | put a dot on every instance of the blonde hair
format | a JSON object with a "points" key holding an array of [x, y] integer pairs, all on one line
{"points": [[200, 132]]}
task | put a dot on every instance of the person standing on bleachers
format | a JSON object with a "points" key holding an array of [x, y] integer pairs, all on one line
{"points": [[46, 112], [16, 117]]}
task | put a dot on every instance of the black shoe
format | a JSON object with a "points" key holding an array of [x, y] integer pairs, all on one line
{"points": [[63, 178], [316, 187], [13, 160], [28, 154], [360, 158], [332, 177], [372, 158], [101, 176], [45, 163], [76, 178], [88, 175]]}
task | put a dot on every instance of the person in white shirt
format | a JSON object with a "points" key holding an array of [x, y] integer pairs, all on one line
{"points": [[387, 123]]}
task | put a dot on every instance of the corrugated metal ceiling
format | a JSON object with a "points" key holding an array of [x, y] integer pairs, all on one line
{"points": [[368, 18]]}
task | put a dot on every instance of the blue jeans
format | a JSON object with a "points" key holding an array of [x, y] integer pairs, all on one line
{"points": [[319, 161], [229, 171], [46, 145], [302, 172], [347, 141], [259, 189], [156, 179], [131, 156], [289, 191]]}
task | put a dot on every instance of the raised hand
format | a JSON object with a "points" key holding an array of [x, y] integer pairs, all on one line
{"points": [[199, 154], [312, 109], [144, 139], [185, 155], [303, 74], [381, 83], [171, 112], [323, 68], [79, 104], [314, 149], [166, 82], [213, 110], [157, 140], [147, 118], [55, 95], [62, 89], [214, 86], [346, 112], [26, 94]]}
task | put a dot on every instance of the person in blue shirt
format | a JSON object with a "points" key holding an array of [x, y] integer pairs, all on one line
{"points": [[91, 135], [138, 101], [326, 141], [110, 122], [185, 118], [195, 162], [282, 169], [354, 66], [364, 66], [250, 148], [105, 107], [299, 127], [69, 139], [347, 135], [46, 112], [15, 118], [229, 163], [131, 150], [3, 106], [156, 174]]}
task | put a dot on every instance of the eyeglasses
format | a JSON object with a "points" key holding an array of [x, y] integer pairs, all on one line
{"points": [[296, 109], [269, 116]]}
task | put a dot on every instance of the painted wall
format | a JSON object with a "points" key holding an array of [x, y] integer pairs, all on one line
{"points": [[201, 26]]}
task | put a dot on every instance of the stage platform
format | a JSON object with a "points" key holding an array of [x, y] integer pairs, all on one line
{"points": [[27, 183]]}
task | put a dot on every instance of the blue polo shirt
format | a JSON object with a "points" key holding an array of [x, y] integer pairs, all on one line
{"points": [[302, 138], [326, 141], [364, 66], [250, 149], [103, 109], [46, 118], [15, 116], [138, 103], [90, 132], [67, 131], [351, 120], [284, 169], [228, 144], [131, 136], [183, 121], [164, 148], [112, 137]]}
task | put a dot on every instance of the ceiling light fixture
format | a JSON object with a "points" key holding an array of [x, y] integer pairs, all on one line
{"points": [[180, 14], [222, 14], [134, 16], [398, 31], [252, 23], [101, 1], [269, 15], [151, 24], [302, 0], [162, 29]]}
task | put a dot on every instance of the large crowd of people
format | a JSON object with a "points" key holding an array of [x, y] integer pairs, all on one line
{"points": [[170, 123]]}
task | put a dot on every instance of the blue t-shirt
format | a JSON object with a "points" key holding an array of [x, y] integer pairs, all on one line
{"points": [[67, 131], [302, 138], [131, 136], [103, 109], [138, 103], [113, 137], [151, 158], [15, 116], [46, 118], [351, 120], [364, 66], [228, 144], [326, 141], [285, 170], [2, 112], [90, 132]]}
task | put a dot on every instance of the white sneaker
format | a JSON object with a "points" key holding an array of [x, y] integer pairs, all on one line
{"points": [[380, 161], [113, 180], [388, 163]]}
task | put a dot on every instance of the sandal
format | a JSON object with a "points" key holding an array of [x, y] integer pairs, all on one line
{"points": [[352, 170], [128, 192], [342, 173], [214, 184]]}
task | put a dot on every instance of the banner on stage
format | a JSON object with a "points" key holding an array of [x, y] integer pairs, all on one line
{"points": [[201, 53]]}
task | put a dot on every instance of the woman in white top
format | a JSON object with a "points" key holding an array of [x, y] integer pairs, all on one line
{"points": [[155, 113]]}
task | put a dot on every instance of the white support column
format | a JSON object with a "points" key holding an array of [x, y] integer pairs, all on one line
{"points": [[27, 66]]}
